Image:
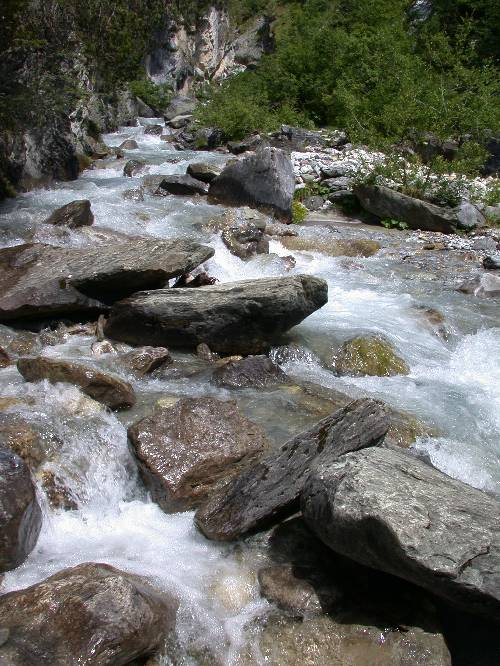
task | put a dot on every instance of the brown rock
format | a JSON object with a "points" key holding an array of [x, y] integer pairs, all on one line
{"points": [[89, 614], [255, 371], [20, 515], [144, 360], [334, 247], [5, 359], [73, 215], [188, 450], [104, 387]]}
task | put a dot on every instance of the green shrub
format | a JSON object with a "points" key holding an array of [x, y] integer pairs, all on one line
{"points": [[394, 224], [157, 96], [299, 212]]}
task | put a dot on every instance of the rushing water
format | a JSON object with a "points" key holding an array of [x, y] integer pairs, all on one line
{"points": [[453, 387]]}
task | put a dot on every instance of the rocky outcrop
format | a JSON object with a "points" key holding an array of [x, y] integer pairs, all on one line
{"points": [[252, 371], [270, 489], [371, 355], [20, 515], [233, 318], [104, 387], [392, 512], [89, 614], [213, 50], [264, 180], [188, 450], [72, 215], [40, 280], [417, 214], [182, 184]]}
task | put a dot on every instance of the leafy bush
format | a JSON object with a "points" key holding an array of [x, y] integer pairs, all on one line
{"points": [[299, 212], [157, 96], [394, 224]]}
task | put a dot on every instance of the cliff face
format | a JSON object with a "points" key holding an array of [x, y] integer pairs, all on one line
{"points": [[211, 49], [54, 140]]}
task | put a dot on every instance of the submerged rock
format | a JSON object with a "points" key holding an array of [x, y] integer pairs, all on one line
{"points": [[89, 614], [370, 355], [128, 144], [42, 280], [188, 450], [417, 214], [269, 490], [264, 180], [153, 130], [344, 642], [492, 262], [106, 388], [390, 511], [232, 318], [73, 215], [20, 515], [254, 371], [486, 285]]}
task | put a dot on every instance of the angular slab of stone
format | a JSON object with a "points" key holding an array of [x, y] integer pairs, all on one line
{"points": [[334, 248], [270, 489], [392, 512], [181, 184], [252, 371], [89, 614], [188, 450], [105, 387], [73, 215], [20, 515], [144, 360], [232, 318], [265, 180], [417, 214], [39, 280], [204, 171]]}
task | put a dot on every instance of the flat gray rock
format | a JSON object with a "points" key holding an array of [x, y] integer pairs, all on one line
{"points": [[392, 512], [269, 490], [232, 318], [40, 280]]}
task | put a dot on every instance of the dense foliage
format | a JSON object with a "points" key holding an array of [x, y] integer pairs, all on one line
{"points": [[379, 68]]}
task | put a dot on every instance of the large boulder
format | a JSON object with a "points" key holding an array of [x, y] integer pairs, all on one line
{"points": [[265, 180], [469, 216], [252, 371], [72, 215], [182, 184], [89, 614], [20, 515], [233, 318], [485, 285], [180, 106], [270, 489], [417, 214], [105, 387], [390, 511], [188, 450], [39, 280]]}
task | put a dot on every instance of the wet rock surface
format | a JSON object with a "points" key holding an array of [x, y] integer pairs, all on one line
{"points": [[264, 180], [20, 515], [392, 512], [255, 371], [235, 317], [144, 360], [73, 215], [189, 450], [334, 247], [368, 355], [245, 241], [185, 185], [46, 280], [269, 490], [204, 171], [104, 387], [91, 613]]}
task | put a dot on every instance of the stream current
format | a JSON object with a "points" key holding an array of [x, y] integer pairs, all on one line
{"points": [[453, 388]]}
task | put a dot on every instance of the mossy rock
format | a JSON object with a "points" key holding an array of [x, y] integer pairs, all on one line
{"points": [[333, 248], [370, 355]]}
